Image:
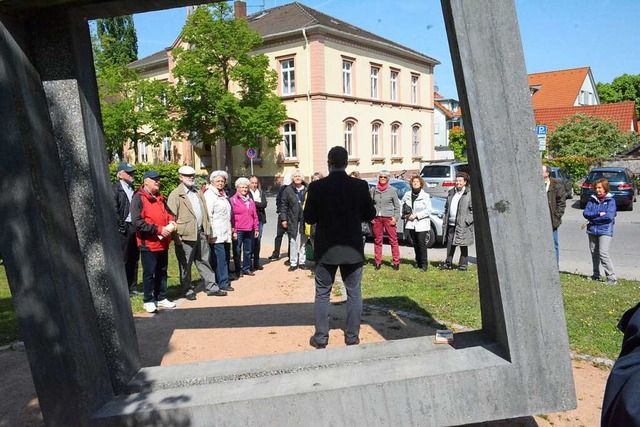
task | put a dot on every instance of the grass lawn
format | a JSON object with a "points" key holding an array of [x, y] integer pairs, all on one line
{"points": [[592, 309]]}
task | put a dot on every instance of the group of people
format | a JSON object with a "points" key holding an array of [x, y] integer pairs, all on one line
{"points": [[600, 213], [206, 226]]}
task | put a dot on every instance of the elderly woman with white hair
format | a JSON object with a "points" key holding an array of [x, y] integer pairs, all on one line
{"points": [[219, 211], [244, 227], [292, 221]]}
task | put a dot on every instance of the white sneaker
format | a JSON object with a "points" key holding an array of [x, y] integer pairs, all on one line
{"points": [[150, 307], [165, 303]]}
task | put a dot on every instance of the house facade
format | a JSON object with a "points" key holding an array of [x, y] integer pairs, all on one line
{"points": [[447, 115], [341, 85]]}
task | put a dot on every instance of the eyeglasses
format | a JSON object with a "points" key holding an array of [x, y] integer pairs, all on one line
{"points": [[383, 177]]}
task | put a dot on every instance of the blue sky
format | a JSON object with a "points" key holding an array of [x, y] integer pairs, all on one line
{"points": [[556, 34]]}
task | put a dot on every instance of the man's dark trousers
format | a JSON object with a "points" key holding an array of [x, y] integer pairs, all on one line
{"points": [[154, 275], [280, 232], [325, 276], [131, 254]]}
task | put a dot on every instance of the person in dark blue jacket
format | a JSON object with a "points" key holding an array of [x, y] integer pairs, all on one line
{"points": [[600, 213]]}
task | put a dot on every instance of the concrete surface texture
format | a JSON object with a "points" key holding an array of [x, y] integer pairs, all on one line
{"points": [[73, 311]]}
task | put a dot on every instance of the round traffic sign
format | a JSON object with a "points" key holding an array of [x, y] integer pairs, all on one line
{"points": [[251, 153]]}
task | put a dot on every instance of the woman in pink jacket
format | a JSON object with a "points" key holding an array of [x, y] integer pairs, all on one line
{"points": [[244, 226]]}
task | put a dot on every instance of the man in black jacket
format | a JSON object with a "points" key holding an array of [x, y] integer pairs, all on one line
{"points": [[122, 194], [337, 205], [556, 197], [280, 229]]}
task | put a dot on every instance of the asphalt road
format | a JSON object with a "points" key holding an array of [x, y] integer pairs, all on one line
{"points": [[574, 249]]}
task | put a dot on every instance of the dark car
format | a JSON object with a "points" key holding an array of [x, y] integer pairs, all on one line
{"points": [[436, 234], [622, 186], [557, 173]]}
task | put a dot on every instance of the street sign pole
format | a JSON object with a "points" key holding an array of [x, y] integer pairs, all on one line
{"points": [[251, 154]]}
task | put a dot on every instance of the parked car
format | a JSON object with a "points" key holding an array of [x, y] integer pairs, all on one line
{"points": [[622, 185], [439, 178], [556, 172], [436, 234]]}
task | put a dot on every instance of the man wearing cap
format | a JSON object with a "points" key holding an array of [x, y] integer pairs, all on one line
{"points": [[122, 194], [191, 234], [153, 223]]}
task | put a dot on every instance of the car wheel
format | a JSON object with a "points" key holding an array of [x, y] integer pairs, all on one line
{"points": [[431, 237], [630, 208], [570, 194]]}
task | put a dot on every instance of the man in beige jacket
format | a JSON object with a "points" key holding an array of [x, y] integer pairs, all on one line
{"points": [[191, 234]]}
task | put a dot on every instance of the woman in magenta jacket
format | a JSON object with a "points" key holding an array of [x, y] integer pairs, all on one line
{"points": [[244, 226]]}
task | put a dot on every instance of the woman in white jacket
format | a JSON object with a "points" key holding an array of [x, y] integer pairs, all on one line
{"points": [[219, 211], [418, 221]]}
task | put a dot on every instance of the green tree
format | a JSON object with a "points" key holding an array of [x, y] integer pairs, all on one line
{"points": [[458, 143], [115, 42], [623, 88], [587, 136], [225, 94], [133, 109]]}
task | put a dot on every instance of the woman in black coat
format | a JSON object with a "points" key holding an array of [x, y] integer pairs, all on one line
{"points": [[259, 198]]}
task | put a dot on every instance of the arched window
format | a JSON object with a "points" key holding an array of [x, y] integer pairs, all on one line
{"points": [[395, 144], [375, 140], [289, 145], [348, 138], [415, 140]]}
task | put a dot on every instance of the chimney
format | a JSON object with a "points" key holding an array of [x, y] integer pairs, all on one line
{"points": [[239, 9]]}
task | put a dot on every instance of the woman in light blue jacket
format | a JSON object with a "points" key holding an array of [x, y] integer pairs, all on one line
{"points": [[418, 221], [601, 214]]}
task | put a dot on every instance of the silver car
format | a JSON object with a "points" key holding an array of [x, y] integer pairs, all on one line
{"points": [[439, 178], [436, 234]]}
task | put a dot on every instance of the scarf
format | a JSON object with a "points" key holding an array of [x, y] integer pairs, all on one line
{"points": [[383, 187], [246, 199], [415, 192]]}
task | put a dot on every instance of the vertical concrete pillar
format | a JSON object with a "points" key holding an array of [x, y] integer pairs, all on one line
{"points": [[58, 235]]}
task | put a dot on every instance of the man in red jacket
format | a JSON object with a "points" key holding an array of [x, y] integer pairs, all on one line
{"points": [[153, 223]]}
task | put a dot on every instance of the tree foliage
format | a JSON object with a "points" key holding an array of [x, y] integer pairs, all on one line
{"points": [[458, 143], [623, 88], [587, 136], [224, 92], [117, 42], [133, 109]]}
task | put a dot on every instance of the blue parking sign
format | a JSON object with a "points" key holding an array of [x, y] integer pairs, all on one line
{"points": [[541, 129]]}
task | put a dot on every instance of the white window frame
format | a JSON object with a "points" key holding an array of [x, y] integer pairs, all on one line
{"points": [[414, 89], [395, 135], [375, 73], [289, 141], [415, 141], [375, 140], [287, 72], [166, 149], [436, 128], [394, 85], [348, 138], [347, 77], [144, 158]]}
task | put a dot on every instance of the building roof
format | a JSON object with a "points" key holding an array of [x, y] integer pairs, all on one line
{"points": [[295, 16], [557, 88], [152, 59], [623, 113]]}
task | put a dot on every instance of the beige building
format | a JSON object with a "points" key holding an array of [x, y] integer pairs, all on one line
{"points": [[341, 86]]}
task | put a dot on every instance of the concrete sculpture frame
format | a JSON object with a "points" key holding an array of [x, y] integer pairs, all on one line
{"points": [[58, 241]]}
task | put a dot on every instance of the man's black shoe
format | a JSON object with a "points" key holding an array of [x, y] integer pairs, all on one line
{"points": [[191, 296], [445, 266], [316, 345], [287, 262], [228, 289], [218, 293], [134, 293], [462, 268], [293, 268], [396, 267], [258, 267], [302, 267], [249, 273], [356, 342], [274, 257]]}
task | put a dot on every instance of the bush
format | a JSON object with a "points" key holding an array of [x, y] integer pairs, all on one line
{"points": [[169, 171]]}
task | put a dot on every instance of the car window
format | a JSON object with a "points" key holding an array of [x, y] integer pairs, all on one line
{"points": [[436, 171], [611, 176], [402, 188], [462, 168]]}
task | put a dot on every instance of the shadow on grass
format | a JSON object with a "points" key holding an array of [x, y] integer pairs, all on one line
{"points": [[407, 305]]}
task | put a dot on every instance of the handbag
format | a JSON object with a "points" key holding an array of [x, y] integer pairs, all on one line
{"points": [[406, 210], [308, 250], [366, 228]]}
